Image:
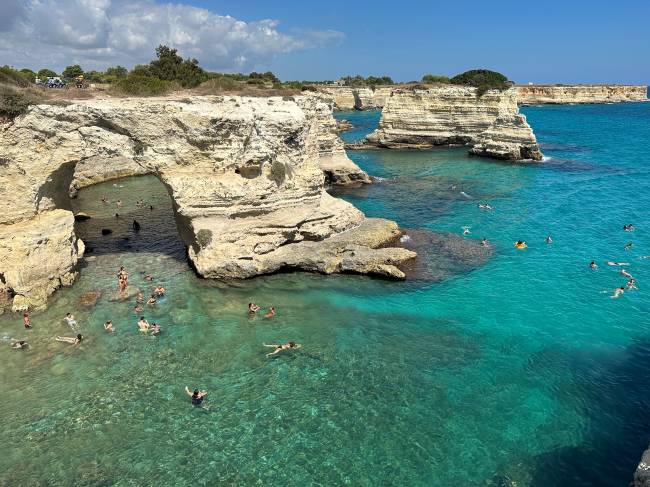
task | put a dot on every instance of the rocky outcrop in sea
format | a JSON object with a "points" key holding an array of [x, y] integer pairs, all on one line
{"points": [[243, 174], [455, 115]]}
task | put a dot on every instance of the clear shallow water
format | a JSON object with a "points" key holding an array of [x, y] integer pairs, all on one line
{"points": [[521, 368]]}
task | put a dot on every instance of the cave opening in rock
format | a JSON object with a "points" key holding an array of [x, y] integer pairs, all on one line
{"points": [[113, 207]]}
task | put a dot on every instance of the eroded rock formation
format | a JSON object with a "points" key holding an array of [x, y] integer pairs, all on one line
{"points": [[642, 474], [490, 124], [541, 94], [351, 98], [243, 175]]}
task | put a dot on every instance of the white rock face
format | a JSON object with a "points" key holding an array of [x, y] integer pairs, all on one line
{"points": [[541, 94], [37, 256], [243, 174], [362, 98], [443, 115], [333, 160]]}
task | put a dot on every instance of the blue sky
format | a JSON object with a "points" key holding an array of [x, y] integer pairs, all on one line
{"points": [[543, 41]]}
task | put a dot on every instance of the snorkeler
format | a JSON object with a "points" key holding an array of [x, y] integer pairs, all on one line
{"points": [[617, 292], [108, 326], [197, 396], [626, 274], [72, 340], [279, 348], [549, 240], [253, 308], [271, 313], [72, 323], [593, 265]]}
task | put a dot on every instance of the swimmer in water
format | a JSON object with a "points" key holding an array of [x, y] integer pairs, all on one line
{"points": [[104, 200], [609, 262], [645, 257], [253, 308], [279, 348], [26, 321], [628, 246], [617, 292], [520, 244], [117, 215], [485, 206], [69, 319], [155, 329], [593, 265], [159, 291], [466, 230], [629, 227], [71, 340], [143, 325], [152, 300], [549, 240], [19, 345], [148, 278], [631, 284], [197, 396], [485, 243], [119, 203], [108, 326], [271, 313], [136, 226], [137, 309], [626, 274], [140, 298]]}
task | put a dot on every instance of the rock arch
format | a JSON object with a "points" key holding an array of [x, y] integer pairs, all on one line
{"points": [[236, 221]]}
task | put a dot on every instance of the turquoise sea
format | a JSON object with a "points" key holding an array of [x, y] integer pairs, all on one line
{"points": [[515, 368]]}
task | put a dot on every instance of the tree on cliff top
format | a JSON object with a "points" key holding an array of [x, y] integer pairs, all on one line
{"points": [[434, 78], [171, 67], [71, 72], [483, 79]]}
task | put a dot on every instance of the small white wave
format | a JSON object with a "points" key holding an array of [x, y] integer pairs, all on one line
{"points": [[463, 193], [546, 158], [404, 238]]}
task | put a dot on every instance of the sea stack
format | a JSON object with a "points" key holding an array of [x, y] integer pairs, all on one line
{"points": [[489, 123]]}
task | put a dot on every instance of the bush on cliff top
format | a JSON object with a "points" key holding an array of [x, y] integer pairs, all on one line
{"points": [[434, 78], [483, 80], [15, 102], [143, 86]]}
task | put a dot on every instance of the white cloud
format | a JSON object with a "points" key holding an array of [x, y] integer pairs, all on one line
{"points": [[98, 33]]}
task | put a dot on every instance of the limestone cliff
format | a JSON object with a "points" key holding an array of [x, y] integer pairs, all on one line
{"points": [[243, 174], [541, 94], [490, 124], [351, 98], [337, 166]]}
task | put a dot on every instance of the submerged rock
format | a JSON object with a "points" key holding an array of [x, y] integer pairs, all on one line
{"points": [[89, 298], [81, 217]]}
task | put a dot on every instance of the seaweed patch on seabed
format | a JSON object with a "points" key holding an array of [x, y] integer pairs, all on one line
{"points": [[441, 255]]}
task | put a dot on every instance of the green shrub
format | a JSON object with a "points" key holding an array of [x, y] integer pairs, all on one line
{"points": [[483, 80], [143, 86], [14, 102], [10, 76], [204, 237], [434, 78]]}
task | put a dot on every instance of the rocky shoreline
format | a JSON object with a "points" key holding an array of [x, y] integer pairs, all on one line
{"points": [[244, 176]]}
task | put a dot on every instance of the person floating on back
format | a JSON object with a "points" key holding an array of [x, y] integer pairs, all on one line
{"points": [[71, 340], [271, 313]]}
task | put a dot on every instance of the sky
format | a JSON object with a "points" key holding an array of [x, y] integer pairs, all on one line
{"points": [[543, 41]]}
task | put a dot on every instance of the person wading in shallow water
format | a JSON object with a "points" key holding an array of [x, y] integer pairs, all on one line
{"points": [[26, 320], [197, 396]]}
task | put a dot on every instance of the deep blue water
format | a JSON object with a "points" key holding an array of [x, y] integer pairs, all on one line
{"points": [[510, 365]]}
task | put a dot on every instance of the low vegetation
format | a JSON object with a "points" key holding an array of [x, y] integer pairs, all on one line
{"points": [[434, 79], [369, 81], [483, 80]]}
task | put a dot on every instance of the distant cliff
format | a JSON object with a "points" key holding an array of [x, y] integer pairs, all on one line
{"points": [[351, 98], [541, 94], [490, 124]]}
